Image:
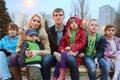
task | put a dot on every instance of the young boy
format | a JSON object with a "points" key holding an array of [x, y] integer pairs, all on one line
{"points": [[94, 52], [26, 56], [7, 48]]}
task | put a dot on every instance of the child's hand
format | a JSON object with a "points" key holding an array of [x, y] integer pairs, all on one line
{"points": [[81, 55], [72, 53], [68, 48], [96, 62], [115, 55]]}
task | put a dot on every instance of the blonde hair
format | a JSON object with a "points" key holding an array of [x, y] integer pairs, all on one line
{"points": [[41, 29], [41, 34], [92, 20]]}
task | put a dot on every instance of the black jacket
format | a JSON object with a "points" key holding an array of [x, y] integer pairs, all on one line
{"points": [[22, 56], [52, 35]]}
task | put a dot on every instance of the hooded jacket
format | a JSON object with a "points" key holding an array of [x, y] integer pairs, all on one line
{"points": [[108, 54], [80, 38]]}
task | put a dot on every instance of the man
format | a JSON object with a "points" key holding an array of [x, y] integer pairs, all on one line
{"points": [[55, 34]]}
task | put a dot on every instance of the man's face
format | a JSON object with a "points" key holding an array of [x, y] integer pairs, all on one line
{"points": [[58, 17]]}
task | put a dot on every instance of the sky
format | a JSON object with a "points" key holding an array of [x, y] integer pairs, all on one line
{"points": [[48, 6]]}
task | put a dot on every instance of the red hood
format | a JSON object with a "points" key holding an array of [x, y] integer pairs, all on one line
{"points": [[79, 22]]}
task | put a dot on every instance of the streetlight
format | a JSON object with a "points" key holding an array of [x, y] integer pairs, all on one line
{"points": [[28, 3], [84, 24]]}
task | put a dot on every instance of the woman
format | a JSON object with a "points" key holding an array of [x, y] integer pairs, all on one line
{"points": [[36, 22]]}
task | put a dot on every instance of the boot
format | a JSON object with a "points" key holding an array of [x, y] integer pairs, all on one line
{"points": [[57, 56], [62, 74], [54, 78], [16, 73]]}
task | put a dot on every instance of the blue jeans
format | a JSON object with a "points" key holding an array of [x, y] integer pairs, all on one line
{"points": [[90, 64], [49, 60], [4, 69]]}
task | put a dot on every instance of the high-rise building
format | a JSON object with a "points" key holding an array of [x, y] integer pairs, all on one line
{"points": [[106, 16]]}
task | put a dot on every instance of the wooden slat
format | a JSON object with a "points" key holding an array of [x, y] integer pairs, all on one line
{"points": [[82, 69]]}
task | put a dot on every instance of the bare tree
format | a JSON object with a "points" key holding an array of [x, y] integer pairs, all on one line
{"points": [[80, 9], [48, 19], [117, 21]]}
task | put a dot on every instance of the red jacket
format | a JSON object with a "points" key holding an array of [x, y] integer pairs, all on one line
{"points": [[80, 39]]}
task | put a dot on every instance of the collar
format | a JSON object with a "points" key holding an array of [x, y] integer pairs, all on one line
{"points": [[56, 30]]}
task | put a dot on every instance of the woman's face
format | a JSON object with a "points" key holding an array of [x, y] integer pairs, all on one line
{"points": [[35, 22], [110, 32]]}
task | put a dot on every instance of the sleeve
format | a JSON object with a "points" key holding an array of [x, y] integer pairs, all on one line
{"points": [[22, 56], [101, 46], [46, 43], [0, 44], [63, 42], [108, 53]]}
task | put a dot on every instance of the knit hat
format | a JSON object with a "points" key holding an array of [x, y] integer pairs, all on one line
{"points": [[30, 31]]}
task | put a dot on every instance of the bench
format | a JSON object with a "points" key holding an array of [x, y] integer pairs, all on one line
{"points": [[82, 69]]}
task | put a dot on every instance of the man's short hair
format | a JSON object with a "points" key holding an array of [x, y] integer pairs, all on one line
{"points": [[58, 10]]}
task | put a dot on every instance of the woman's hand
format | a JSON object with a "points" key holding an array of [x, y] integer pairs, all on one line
{"points": [[29, 55], [36, 52]]}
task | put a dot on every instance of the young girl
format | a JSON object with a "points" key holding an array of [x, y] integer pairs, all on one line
{"points": [[112, 52], [94, 52], [8, 44], [72, 41]]}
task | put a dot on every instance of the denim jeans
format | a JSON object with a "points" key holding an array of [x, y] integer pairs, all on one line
{"points": [[46, 63], [90, 64], [49, 60], [4, 69]]}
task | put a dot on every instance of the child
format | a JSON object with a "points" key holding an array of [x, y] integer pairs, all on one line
{"points": [[7, 48], [28, 59], [94, 52], [112, 52], [72, 41]]}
